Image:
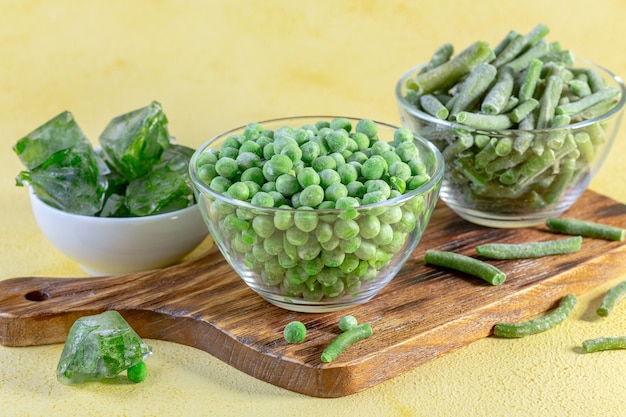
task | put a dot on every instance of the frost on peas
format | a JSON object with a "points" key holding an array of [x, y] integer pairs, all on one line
{"points": [[401, 170], [374, 168], [328, 177], [366, 250], [380, 147], [287, 185], [283, 220], [369, 226], [310, 151], [407, 151], [348, 205], [350, 245], [296, 236], [262, 199], [334, 290], [346, 229], [263, 226], [392, 215], [403, 135], [312, 196], [378, 185], [341, 123], [273, 245], [253, 174], [306, 219], [335, 192], [238, 191], [247, 160], [324, 232], [368, 128], [309, 251], [227, 167], [308, 176], [356, 189], [337, 140], [324, 162], [347, 173]]}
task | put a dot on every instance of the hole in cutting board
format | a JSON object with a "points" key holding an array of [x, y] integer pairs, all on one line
{"points": [[37, 295]]}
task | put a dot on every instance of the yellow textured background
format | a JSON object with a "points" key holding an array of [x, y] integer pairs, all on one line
{"points": [[215, 65]]}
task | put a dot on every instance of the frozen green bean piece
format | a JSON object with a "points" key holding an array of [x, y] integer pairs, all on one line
{"points": [[473, 87], [294, 332], [531, 249], [604, 343], [499, 94], [465, 264], [579, 87], [523, 109], [448, 73], [536, 35], [549, 101], [484, 121], [459, 145], [434, 107], [584, 228], [567, 169], [529, 83], [504, 42], [556, 138], [540, 324], [510, 51], [606, 94], [441, 55], [344, 340], [583, 141], [611, 298], [534, 53]]}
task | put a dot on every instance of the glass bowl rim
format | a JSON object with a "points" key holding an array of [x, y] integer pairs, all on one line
{"points": [[453, 125], [425, 188]]}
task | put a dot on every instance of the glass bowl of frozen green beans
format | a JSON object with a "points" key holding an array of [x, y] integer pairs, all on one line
{"points": [[522, 136], [317, 213]]}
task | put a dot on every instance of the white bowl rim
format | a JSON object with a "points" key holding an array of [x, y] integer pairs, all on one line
{"points": [[138, 219], [425, 188], [453, 125]]}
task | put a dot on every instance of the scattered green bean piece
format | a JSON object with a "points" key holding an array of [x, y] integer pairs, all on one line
{"points": [[540, 324], [584, 228], [138, 372], [611, 298], [344, 340], [604, 343], [295, 332], [466, 264], [531, 249], [347, 322]]}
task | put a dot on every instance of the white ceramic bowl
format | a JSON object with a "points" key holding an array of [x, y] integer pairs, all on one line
{"points": [[108, 246]]}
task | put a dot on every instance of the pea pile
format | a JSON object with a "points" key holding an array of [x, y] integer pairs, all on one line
{"points": [[335, 175]]}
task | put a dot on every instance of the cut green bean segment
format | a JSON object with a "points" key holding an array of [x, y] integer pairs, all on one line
{"points": [[584, 228], [345, 340], [611, 298], [540, 324], [536, 96], [466, 264], [604, 343], [531, 249]]}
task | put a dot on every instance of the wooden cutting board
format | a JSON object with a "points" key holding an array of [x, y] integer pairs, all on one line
{"points": [[423, 313]]}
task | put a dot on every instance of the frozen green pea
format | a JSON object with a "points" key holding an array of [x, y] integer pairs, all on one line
{"points": [[356, 189], [348, 205], [407, 151], [312, 266], [323, 232], [398, 184], [346, 229], [380, 147], [324, 162], [312, 195], [306, 219], [220, 208], [287, 185], [331, 243], [350, 245], [272, 278], [229, 152], [227, 167], [273, 244], [373, 198], [396, 243], [378, 185], [366, 251], [310, 151], [238, 191], [296, 275], [417, 166], [407, 222], [296, 236], [402, 135], [206, 157], [380, 259], [276, 166], [334, 290], [333, 258], [207, 172], [283, 220], [337, 140], [279, 199], [369, 226], [262, 199], [361, 139], [327, 276], [309, 251], [263, 226], [390, 156], [392, 215], [336, 191], [367, 127], [341, 123], [260, 254], [350, 263], [401, 170], [286, 260], [253, 174], [313, 294], [374, 168], [308, 176], [248, 160], [417, 181], [347, 173], [294, 332], [251, 146], [329, 176], [359, 157], [384, 236]]}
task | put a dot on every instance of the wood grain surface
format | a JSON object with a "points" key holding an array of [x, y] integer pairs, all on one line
{"points": [[423, 313]]}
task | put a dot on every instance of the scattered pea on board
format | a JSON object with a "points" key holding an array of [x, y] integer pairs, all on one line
{"points": [[294, 332]]}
